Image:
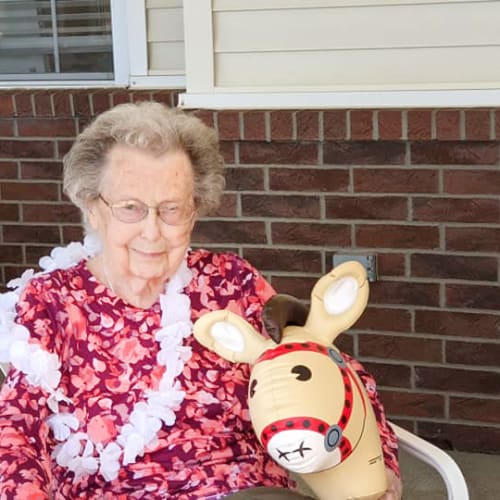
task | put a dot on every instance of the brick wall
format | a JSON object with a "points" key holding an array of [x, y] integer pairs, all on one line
{"points": [[420, 188]]}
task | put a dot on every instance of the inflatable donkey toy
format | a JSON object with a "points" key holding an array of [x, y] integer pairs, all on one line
{"points": [[308, 408]]}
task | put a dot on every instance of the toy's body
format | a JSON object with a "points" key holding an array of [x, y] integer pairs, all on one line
{"points": [[308, 408]]}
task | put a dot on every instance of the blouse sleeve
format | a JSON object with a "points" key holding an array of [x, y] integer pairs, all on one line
{"points": [[387, 435], [24, 459]]}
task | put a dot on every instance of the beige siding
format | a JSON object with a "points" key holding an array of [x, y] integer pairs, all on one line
{"points": [[357, 45], [165, 37]]}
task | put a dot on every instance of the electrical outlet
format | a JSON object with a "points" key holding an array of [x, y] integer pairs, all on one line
{"points": [[369, 262]]}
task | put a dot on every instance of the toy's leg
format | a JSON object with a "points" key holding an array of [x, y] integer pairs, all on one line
{"points": [[264, 493]]}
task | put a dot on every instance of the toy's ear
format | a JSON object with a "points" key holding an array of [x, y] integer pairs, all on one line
{"points": [[337, 300], [230, 336]]}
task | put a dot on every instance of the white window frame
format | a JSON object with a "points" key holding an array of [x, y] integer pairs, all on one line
{"points": [[130, 56]]}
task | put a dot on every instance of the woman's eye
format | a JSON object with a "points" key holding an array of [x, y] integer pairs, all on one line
{"points": [[303, 373], [131, 207]]}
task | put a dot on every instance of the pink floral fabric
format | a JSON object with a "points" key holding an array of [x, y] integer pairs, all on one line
{"points": [[108, 354]]}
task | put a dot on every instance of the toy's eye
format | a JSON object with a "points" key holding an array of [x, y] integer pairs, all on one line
{"points": [[303, 373], [253, 385]]}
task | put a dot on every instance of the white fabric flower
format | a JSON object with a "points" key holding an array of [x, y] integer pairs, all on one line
{"points": [[84, 464], [62, 424], [109, 459], [54, 399], [8, 336], [173, 308], [18, 284]]}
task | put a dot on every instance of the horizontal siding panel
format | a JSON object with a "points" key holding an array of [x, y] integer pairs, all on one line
{"points": [[360, 69], [163, 4], [165, 25], [422, 25], [167, 57], [229, 5]]}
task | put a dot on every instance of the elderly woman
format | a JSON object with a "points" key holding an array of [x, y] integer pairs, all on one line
{"points": [[110, 396]]}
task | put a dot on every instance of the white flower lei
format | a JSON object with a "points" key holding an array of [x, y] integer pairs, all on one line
{"points": [[76, 450]]}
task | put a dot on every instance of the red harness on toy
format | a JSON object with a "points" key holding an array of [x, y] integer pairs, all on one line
{"points": [[312, 423]]}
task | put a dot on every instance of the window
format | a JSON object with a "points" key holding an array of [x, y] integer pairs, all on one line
{"points": [[71, 43], [56, 39]]}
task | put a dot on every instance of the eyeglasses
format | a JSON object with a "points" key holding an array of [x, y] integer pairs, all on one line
{"points": [[130, 211]]}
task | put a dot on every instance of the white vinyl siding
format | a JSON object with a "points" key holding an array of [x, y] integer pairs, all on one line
{"points": [[284, 46], [165, 37]]}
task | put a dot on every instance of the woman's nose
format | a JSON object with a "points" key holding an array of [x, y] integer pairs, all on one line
{"points": [[151, 225]]}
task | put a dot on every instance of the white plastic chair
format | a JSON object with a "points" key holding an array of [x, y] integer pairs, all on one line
{"points": [[436, 458]]}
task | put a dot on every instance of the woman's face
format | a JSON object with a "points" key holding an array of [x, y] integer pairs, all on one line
{"points": [[148, 249]]}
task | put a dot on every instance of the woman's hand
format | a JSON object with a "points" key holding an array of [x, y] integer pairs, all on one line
{"points": [[394, 486]]}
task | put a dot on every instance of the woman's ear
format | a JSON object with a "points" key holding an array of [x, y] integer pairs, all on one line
{"points": [[91, 214]]}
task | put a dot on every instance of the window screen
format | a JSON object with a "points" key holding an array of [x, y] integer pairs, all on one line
{"points": [[55, 39]]}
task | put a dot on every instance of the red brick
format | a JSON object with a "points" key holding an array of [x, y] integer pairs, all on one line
{"points": [[24, 104], [62, 104], [308, 179], [335, 125], [413, 404], [471, 438], [34, 253], [41, 170], [26, 149], [221, 232], [101, 101], [6, 128], [51, 213], [29, 191], [298, 286], [281, 125], [307, 125], [477, 124], [497, 124], [457, 324], [456, 210], [471, 181], [227, 151], [63, 146], [473, 296], [228, 125], [361, 124], [9, 212], [390, 125], [473, 239], [478, 409], [6, 105], [81, 103], [14, 271], [43, 104], [206, 116], [419, 124], [140, 96], [311, 234], [228, 206], [400, 348], [290, 206], [345, 343], [72, 233], [244, 179], [366, 207], [46, 127], [8, 170], [30, 234], [11, 254], [120, 97], [254, 126], [364, 153], [397, 236], [166, 97], [390, 264], [278, 153], [387, 180], [266, 259], [454, 379], [448, 125], [404, 293], [389, 375], [383, 319], [454, 153], [473, 353], [458, 267]]}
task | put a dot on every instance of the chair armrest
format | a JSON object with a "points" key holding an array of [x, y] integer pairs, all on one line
{"points": [[436, 458]]}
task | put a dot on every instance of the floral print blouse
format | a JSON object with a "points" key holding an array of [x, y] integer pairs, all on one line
{"points": [[108, 354]]}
